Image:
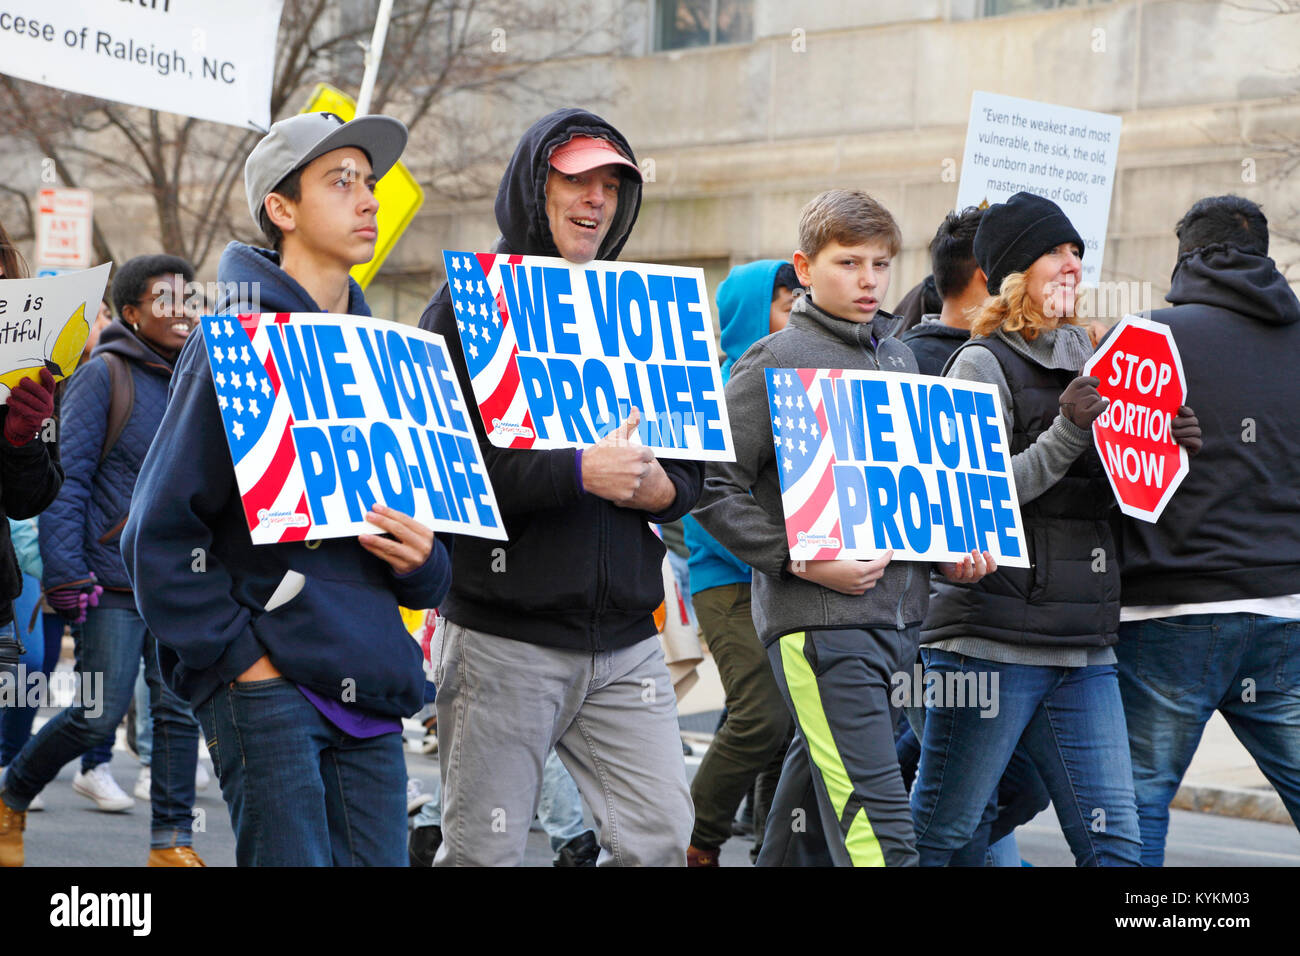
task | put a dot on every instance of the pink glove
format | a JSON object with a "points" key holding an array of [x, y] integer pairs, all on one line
{"points": [[30, 404], [71, 603]]}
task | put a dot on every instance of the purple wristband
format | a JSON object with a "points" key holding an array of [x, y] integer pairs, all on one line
{"points": [[577, 467]]}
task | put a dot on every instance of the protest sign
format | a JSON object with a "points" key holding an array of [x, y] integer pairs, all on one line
{"points": [[560, 353], [207, 60], [44, 323], [1142, 375], [1064, 154], [328, 414], [873, 461]]}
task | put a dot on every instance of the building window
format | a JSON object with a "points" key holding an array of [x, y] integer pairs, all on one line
{"points": [[685, 23], [997, 8]]}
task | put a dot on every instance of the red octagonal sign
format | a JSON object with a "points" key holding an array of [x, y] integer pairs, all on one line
{"points": [[1143, 377]]}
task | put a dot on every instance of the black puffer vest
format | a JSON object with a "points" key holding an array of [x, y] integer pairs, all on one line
{"points": [[1069, 595]]}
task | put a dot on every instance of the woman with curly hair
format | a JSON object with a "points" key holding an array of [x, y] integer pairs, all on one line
{"points": [[1040, 638]]}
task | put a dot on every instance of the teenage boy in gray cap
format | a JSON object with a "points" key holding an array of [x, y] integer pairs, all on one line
{"points": [[294, 656]]}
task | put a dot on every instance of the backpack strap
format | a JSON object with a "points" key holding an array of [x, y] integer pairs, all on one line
{"points": [[121, 400]]}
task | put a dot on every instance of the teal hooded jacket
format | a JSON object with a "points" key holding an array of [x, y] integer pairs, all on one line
{"points": [[744, 308]]}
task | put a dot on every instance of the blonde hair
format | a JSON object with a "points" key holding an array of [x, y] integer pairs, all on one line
{"points": [[1013, 311]]}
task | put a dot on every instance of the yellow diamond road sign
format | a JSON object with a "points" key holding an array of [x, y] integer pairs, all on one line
{"points": [[399, 195]]}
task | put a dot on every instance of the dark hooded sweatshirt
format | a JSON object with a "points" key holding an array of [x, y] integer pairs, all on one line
{"points": [[1232, 529], [202, 585], [577, 572], [80, 532], [934, 343]]}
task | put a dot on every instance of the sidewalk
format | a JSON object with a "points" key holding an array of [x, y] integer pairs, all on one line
{"points": [[1222, 778]]}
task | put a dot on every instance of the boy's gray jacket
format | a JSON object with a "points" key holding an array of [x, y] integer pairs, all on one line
{"points": [[741, 502]]}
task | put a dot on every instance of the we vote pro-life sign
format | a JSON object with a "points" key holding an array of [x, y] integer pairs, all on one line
{"points": [[559, 354], [328, 414], [873, 461]]}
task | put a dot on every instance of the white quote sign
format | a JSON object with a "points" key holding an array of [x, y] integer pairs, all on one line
{"points": [[1064, 154], [212, 61]]}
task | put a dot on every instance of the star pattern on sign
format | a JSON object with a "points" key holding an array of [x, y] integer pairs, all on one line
{"points": [[476, 313], [238, 383], [791, 435]]}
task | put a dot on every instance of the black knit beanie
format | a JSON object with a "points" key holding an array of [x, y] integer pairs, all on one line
{"points": [[1013, 234]]}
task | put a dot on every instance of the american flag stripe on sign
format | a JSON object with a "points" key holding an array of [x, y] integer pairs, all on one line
{"points": [[488, 339], [803, 458], [257, 426]]}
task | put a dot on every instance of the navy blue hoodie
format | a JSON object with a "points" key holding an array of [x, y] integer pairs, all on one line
{"points": [[1232, 529], [201, 585], [579, 572]]}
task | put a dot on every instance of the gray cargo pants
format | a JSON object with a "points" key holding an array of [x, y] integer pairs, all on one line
{"points": [[611, 717]]}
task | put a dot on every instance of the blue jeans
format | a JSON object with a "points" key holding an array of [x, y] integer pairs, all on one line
{"points": [[112, 642], [143, 720], [1069, 720], [1175, 672], [300, 791]]}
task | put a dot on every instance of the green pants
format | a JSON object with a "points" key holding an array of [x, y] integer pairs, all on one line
{"points": [[748, 750]]}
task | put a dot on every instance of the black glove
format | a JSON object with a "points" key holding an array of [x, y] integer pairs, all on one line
{"points": [[1186, 429], [1081, 403]]}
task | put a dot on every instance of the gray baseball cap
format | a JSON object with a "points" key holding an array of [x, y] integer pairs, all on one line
{"points": [[294, 142]]}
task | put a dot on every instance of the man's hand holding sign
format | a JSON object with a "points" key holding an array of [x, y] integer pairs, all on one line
{"points": [[623, 471]]}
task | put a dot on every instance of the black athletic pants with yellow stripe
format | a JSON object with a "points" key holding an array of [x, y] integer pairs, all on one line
{"points": [[841, 800]]}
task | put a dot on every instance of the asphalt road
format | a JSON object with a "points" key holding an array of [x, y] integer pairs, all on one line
{"points": [[71, 832]]}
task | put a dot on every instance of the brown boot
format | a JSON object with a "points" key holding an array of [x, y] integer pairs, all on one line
{"points": [[12, 824], [175, 856], [697, 857]]}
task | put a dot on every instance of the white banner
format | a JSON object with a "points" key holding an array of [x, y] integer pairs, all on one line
{"points": [[212, 61], [1065, 154]]}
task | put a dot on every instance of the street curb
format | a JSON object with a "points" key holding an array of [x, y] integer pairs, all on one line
{"points": [[1242, 802]]}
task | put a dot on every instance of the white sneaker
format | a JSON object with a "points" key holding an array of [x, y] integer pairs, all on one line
{"points": [[415, 796], [99, 785], [36, 804], [143, 783], [201, 778]]}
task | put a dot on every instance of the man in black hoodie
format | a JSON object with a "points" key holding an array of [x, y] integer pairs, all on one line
{"points": [[551, 642], [961, 284], [1211, 593]]}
